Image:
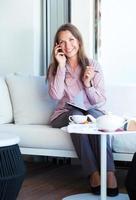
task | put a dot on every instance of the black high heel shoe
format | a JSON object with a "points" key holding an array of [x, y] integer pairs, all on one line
{"points": [[96, 190], [112, 192]]}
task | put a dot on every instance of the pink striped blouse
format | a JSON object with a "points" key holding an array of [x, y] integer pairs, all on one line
{"points": [[66, 85]]}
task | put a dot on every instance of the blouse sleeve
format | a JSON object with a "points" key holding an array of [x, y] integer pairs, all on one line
{"points": [[56, 83], [96, 93]]}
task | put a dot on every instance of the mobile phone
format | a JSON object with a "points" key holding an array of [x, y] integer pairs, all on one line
{"points": [[60, 51]]}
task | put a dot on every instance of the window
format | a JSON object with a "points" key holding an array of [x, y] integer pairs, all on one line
{"points": [[55, 13]]}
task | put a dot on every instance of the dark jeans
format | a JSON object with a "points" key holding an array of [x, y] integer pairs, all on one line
{"points": [[87, 146]]}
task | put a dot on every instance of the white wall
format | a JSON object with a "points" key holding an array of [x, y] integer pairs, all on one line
{"points": [[16, 36], [21, 39], [82, 16], [118, 54], [20, 36]]}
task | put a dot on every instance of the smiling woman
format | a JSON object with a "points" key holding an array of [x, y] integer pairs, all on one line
{"points": [[68, 45], [71, 65]]}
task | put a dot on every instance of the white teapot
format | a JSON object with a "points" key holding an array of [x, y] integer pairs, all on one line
{"points": [[110, 122]]}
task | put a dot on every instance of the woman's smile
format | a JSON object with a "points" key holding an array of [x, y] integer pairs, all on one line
{"points": [[68, 43]]}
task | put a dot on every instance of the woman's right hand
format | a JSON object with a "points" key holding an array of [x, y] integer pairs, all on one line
{"points": [[60, 56]]}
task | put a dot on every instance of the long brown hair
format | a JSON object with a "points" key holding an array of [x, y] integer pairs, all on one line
{"points": [[82, 58]]}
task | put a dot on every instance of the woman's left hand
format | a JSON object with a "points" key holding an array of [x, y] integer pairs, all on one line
{"points": [[88, 76]]}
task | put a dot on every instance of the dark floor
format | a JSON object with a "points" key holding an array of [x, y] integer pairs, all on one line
{"points": [[46, 180]]}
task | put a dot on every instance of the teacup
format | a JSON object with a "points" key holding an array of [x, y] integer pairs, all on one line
{"points": [[78, 119]]}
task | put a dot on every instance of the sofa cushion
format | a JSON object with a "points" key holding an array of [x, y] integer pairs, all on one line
{"points": [[39, 136], [30, 99], [43, 136], [6, 115], [124, 143]]}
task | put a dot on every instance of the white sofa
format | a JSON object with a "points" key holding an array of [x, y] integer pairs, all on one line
{"points": [[25, 108]]}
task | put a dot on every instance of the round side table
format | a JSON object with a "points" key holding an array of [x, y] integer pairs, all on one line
{"points": [[12, 168], [87, 129]]}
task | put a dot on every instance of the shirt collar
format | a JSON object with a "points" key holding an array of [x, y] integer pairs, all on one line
{"points": [[76, 72]]}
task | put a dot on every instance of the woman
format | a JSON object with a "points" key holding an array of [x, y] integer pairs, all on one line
{"points": [[72, 74]]}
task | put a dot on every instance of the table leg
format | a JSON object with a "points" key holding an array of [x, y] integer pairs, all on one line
{"points": [[103, 166]]}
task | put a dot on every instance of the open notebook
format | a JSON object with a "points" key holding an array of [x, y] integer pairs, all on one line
{"points": [[78, 103], [77, 106]]}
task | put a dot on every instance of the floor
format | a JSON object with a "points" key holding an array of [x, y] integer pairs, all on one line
{"points": [[54, 181]]}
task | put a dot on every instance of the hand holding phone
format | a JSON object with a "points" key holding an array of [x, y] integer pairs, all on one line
{"points": [[59, 55]]}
